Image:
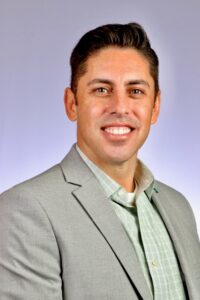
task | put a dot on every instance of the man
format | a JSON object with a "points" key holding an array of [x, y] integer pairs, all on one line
{"points": [[98, 225]]}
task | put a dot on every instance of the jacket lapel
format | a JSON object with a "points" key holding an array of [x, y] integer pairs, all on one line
{"points": [[169, 210], [91, 196]]}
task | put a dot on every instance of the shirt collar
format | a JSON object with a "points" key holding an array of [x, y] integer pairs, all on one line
{"points": [[143, 178]]}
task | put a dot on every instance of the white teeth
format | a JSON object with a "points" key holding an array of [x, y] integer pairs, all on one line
{"points": [[118, 130]]}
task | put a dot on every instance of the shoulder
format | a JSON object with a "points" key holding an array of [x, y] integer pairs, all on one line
{"points": [[35, 184], [175, 202], [49, 192], [171, 195], [35, 192], [168, 190], [45, 184]]}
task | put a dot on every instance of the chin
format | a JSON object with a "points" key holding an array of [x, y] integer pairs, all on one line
{"points": [[120, 158]]}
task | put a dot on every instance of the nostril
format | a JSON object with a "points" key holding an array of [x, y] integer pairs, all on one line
{"points": [[119, 114]]}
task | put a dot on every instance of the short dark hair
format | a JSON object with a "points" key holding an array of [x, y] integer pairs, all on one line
{"points": [[130, 35]]}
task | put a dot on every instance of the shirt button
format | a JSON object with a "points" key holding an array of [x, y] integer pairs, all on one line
{"points": [[154, 263]]}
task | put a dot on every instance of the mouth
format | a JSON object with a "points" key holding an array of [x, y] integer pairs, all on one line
{"points": [[115, 130], [118, 131]]}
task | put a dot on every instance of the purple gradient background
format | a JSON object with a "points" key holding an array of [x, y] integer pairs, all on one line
{"points": [[36, 40]]}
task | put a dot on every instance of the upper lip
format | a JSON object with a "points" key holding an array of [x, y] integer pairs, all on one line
{"points": [[117, 125]]}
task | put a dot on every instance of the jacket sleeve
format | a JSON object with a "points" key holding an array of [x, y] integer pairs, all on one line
{"points": [[29, 255]]}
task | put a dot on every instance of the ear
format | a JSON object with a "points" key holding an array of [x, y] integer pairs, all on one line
{"points": [[156, 109], [70, 104]]}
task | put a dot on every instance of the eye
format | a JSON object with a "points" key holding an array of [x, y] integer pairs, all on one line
{"points": [[136, 92], [101, 90]]}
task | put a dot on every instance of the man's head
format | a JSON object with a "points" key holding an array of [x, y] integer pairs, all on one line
{"points": [[114, 94], [130, 35]]}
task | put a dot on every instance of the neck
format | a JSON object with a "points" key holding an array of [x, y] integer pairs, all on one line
{"points": [[122, 174]]}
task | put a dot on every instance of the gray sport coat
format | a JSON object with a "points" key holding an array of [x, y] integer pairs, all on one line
{"points": [[61, 239]]}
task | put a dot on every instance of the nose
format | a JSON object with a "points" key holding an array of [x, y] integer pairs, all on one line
{"points": [[119, 104]]}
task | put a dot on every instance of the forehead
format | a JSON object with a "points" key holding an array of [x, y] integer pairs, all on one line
{"points": [[117, 63]]}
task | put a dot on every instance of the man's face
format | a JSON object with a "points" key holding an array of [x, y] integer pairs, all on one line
{"points": [[116, 105]]}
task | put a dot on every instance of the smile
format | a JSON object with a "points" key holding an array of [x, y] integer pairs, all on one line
{"points": [[118, 130]]}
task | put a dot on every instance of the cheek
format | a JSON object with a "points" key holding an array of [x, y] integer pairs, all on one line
{"points": [[143, 113], [88, 115], [91, 109]]}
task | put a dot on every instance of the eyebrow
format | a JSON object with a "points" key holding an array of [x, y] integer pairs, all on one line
{"points": [[138, 81], [130, 82], [100, 80]]}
